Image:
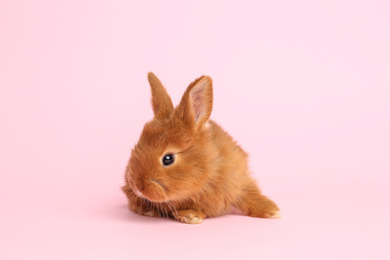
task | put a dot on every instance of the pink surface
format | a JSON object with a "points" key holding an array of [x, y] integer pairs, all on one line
{"points": [[303, 86]]}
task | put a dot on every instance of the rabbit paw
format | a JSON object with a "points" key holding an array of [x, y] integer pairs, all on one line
{"points": [[189, 216], [150, 213]]}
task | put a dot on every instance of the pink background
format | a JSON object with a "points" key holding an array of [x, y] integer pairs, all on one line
{"points": [[304, 86]]}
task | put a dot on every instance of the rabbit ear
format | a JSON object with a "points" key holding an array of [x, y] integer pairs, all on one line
{"points": [[197, 102], [161, 101]]}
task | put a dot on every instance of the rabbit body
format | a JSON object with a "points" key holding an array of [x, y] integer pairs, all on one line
{"points": [[208, 174]]}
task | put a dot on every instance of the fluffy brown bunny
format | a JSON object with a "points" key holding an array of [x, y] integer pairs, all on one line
{"points": [[187, 167]]}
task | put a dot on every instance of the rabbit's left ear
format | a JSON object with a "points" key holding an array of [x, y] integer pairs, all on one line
{"points": [[197, 102], [161, 101]]}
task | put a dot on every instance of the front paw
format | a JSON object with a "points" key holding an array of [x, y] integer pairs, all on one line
{"points": [[150, 213], [189, 216]]}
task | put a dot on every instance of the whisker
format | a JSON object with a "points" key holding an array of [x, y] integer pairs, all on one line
{"points": [[173, 206], [169, 207], [166, 211], [160, 209], [163, 210]]}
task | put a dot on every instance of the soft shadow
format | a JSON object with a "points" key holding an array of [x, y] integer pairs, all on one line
{"points": [[122, 213]]}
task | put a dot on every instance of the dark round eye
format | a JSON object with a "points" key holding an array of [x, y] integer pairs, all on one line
{"points": [[168, 159]]}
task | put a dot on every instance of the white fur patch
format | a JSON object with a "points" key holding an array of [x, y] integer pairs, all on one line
{"points": [[149, 213], [138, 193]]}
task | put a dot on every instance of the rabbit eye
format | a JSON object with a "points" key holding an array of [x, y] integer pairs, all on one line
{"points": [[168, 159]]}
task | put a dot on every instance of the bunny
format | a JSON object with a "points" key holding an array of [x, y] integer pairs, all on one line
{"points": [[187, 167]]}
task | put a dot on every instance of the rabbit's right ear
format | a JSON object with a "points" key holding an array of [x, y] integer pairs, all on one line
{"points": [[161, 101], [197, 102]]}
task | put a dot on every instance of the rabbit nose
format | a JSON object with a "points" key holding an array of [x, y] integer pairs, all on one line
{"points": [[158, 183]]}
